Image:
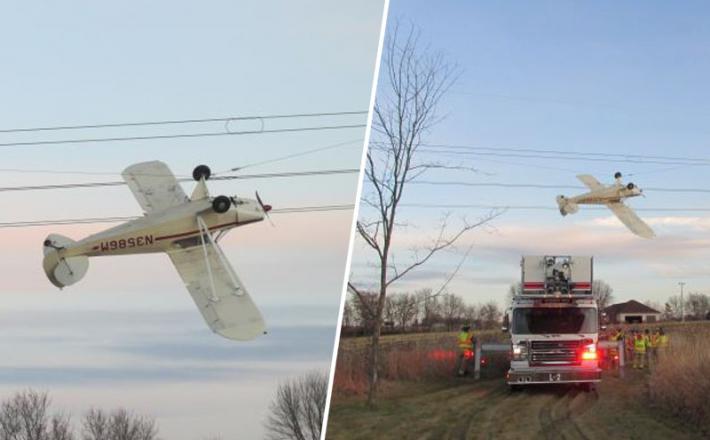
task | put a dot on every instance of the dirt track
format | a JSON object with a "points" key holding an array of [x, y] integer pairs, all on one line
{"points": [[465, 409]]}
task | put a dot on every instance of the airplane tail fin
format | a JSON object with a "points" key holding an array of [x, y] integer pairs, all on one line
{"points": [[566, 206], [62, 271]]}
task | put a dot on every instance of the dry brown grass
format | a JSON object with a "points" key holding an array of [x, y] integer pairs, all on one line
{"points": [[411, 357], [680, 382]]}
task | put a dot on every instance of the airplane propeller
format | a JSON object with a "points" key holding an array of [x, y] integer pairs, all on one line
{"points": [[264, 208]]}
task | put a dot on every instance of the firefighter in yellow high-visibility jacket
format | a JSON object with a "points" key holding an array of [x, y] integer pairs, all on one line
{"points": [[465, 344], [653, 346], [640, 345], [663, 342]]}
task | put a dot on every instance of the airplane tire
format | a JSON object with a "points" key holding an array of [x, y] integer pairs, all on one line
{"points": [[201, 171], [221, 204]]}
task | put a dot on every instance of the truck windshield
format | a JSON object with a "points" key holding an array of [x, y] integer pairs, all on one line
{"points": [[536, 321]]}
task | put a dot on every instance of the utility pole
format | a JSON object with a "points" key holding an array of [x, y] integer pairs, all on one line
{"points": [[682, 302]]}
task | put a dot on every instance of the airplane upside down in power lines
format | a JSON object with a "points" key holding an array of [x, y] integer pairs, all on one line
{"points": [[612, 196], [188, 230]]}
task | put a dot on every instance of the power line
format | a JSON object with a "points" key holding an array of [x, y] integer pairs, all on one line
{"points": [[253, 164], [538, 207], [568, 153], [294, 155], [225, 119], [72, 221], [546, 186], [472, 152], [184, 179], [179, 136]]}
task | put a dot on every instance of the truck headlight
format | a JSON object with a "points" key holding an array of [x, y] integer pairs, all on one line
{"points": [[520, 351]]}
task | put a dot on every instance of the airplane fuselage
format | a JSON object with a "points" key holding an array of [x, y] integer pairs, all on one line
{"points": [[607, 194], [165, 230]]}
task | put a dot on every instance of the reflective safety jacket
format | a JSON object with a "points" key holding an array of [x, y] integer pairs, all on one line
{"points": [[465, 341], [662, 341], [640, 345], [654, 340]]}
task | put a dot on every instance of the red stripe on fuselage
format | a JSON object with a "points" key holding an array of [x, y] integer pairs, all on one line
{"points": [[197, 231]]}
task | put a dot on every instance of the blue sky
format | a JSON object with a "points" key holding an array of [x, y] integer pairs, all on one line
{"points": [[605, 77], [128, 334]]}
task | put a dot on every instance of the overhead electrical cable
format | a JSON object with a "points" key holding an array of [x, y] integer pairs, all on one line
{"points": [[180, 121], [253, 164], [568, 152], [545, 186], [294, 155], [71, 221], [184, 179], [441, 151], [541, 207], [179, 136]]}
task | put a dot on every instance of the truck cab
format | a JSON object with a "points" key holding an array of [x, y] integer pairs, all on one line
{"points": [[553, 323]]}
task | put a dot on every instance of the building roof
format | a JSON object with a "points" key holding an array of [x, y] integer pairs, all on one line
{"points": [[632, 306]]}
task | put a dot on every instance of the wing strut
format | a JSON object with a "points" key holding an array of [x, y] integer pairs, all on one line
{"points": [[205, 231]]}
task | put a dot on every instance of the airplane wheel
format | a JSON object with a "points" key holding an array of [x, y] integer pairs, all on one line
{"points": [[221, 204], [201, 171]]}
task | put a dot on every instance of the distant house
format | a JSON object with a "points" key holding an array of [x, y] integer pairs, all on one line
{"points": [[631, 312]]}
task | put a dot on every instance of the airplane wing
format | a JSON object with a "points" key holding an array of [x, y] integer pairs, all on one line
{"points": [[631, 220], [218, 292], [590, 182], [154, 186]]}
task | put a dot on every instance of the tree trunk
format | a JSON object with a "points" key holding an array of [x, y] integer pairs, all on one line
{"points": [[376, 331]]}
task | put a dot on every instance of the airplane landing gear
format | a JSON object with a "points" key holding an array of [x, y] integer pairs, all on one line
{"points": [[201, 171]]}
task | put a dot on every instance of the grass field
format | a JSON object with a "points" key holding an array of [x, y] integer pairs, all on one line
{"points": [[465, 409], [419, 399]]}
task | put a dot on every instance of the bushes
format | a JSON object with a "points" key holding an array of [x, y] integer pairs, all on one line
{"points": [[680, 382], [414, 357]]}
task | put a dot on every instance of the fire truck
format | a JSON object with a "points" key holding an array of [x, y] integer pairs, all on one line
{"points": [[553, 322]]}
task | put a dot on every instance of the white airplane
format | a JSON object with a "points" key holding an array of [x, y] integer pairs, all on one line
{"points": [[612, 197], [187, 229]]}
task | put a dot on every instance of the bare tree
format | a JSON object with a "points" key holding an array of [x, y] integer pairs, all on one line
{"points": [[348, 313], [603, 293], [117, 425], [429, 307], [697, 305], [25, 416], [405, 309], [364, 304], [414, 81], [298, 408], [490, 315], [673, 307], [470, 314], [453, 309]]}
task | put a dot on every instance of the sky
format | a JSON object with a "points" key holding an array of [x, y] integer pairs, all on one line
{"points": [[599, 77], [129, 334]]}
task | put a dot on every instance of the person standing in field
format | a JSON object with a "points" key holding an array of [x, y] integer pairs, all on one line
{"points": [[647, 338], [630, 344], [653, 345], [663, 341], [465, 344], [617, 335], [640, 345]]}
